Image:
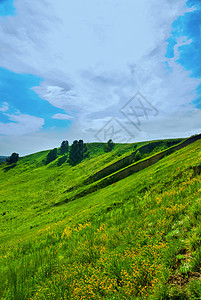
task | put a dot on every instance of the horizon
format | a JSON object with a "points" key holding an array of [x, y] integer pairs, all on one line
{"points": [[136, 142]]}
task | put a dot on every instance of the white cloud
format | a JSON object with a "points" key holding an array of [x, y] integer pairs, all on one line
{"points": [[62, 117], [4, 107], [181, 41], [21, 124]]}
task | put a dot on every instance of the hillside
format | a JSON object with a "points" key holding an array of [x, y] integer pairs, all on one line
{"points": [[136, 238]]}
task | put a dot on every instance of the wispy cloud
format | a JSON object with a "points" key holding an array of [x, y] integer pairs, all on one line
{"points": [[20, 124], [62, 117], [4, 107]]}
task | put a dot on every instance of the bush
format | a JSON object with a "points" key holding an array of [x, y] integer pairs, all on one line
{"points": [[138, 156]]}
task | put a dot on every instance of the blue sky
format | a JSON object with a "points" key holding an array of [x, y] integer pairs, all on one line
{"points": [[189, 26], [65, 73], [16, 90], [7, 7]]}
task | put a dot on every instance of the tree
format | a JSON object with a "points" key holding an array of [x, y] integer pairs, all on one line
{"points": [[109, 146], [137, 156], [73, 154], [52, 155], [78, 151], [13, 158], [64, 147]]}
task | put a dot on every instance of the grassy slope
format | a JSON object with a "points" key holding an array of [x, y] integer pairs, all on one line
{"points": [[138, 238], [29, 188]]}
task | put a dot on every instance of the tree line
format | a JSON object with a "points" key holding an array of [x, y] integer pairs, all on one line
{"points": [[73, 154]]}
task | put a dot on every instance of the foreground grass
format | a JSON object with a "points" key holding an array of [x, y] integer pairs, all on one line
{"points": [[136, 239]]}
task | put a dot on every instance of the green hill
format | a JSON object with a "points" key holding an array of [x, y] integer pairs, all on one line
{"points": [[137, 237]]}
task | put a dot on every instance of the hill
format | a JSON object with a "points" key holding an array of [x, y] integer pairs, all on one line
{"points": [[135, 238], [3, 158]]}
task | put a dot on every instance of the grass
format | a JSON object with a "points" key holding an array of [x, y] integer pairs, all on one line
{"points": [[138, 238]]}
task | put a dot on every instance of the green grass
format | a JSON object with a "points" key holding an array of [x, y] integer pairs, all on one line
{"points": [[138, 238]]}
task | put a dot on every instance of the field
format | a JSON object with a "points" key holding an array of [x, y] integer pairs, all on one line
{"points": [[138, 238]]}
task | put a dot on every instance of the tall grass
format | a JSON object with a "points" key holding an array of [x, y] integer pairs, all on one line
{"points": [[136, 239]]}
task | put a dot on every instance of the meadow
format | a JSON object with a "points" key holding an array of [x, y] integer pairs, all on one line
{"points": [[138, 238]]}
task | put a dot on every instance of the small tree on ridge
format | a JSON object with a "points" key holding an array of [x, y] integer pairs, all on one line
{"points": [[109, 146], [13, 158]]}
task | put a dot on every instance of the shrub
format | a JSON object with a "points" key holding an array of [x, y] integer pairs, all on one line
{"points": [[138, 156]]}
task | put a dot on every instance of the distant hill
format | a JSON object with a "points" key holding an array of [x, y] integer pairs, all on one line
{"points": [[3, 158]]}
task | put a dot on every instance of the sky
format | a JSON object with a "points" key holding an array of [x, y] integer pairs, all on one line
{"points": [[96, 69]]}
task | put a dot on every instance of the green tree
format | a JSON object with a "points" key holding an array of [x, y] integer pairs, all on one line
{"points": [[138, 156], [52, 155], [64, 147], [109, 146], [78, 151], [13, 158]]}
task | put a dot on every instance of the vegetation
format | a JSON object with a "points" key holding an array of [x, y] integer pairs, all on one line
{"points": [[138, 238], [61, 160], [52, 155], [109, 146], [13, 158], [64, 147], [78, 151], [137, 156]]}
